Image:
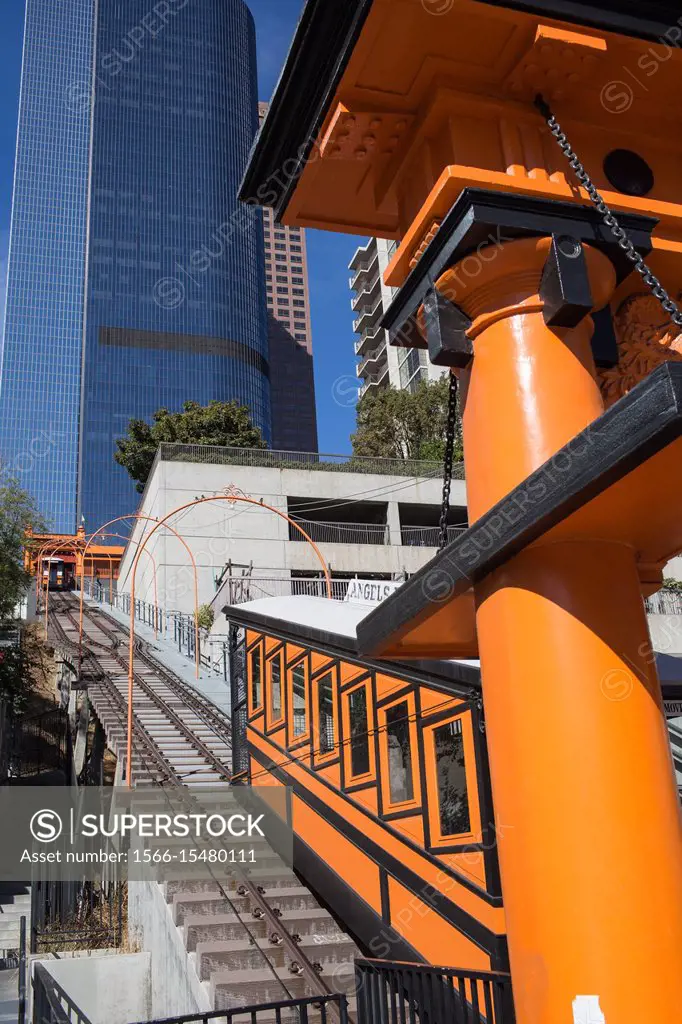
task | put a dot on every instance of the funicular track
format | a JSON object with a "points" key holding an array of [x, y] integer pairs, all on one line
{"points": [[250, 932]]}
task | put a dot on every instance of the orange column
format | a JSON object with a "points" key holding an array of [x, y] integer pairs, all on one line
{"points": [[585, 800]]}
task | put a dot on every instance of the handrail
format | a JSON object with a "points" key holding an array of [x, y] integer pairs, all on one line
{"points": [[302, 1005], [264, 458], [49, 998], [436, 994]]}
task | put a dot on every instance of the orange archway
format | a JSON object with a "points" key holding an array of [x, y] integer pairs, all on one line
{"points": [[137, 517], [232, 499], [71, 546]]}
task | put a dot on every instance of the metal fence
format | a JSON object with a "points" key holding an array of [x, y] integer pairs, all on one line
{"points": [[427, 536], [264, 458], [76, 915], [41, 743], [341, 533], [172, 626], [308, 1010], [51, 1004], [665, 602], [250, 588], [395, 993]]}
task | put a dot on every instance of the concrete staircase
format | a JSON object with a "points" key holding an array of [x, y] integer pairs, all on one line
{"points": [[15, 902], [239, 956]]}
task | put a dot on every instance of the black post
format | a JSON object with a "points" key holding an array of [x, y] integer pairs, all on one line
{"points": [[22, 970]]}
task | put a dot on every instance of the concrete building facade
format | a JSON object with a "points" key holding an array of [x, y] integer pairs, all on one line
{"points": [[368, 519], [381, 364]]}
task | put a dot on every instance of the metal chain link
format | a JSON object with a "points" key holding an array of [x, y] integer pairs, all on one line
{"points": [[611, 221], [449, 456]]}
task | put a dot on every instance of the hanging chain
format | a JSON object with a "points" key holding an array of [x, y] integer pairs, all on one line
{"points": [[449, 456], [611, 221]]}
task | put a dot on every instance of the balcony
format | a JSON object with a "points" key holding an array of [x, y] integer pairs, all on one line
{"points": [[368, 293], [363, 255], [341, 533], [370, 267], [368, 317], [373, 361], [376, 380], [371, 334]]}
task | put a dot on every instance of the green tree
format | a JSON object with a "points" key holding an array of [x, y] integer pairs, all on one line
{"points": [[226, 424], [205, 617], [18, 513], [398, 424]]}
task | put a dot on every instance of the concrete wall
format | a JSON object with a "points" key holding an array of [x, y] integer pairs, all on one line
{"points": [[217, 531], [666, 633], [175, 986], [112, 989]]}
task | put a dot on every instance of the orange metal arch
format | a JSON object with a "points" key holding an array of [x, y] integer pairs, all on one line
{"points": [[65, 545], [137, 516], [121, 536], [231, 498], [40, 554]]}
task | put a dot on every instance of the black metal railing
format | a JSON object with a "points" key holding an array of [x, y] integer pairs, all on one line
{"points": [[76, 915], [41, 743], [311, 1010], [51, 1004], [402, 993]]}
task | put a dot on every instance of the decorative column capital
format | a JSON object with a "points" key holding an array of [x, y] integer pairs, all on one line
{"points": [[646, 338], [504, 279]]}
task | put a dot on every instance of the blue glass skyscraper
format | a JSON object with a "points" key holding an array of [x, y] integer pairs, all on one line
{"points": [[136, 280]]}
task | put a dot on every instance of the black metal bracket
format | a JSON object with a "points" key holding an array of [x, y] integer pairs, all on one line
{"points": [[446, 326], [481, 218], [565, 284], [604, 341]]}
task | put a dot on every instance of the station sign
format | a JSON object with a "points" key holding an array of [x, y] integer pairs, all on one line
{"points": [[371, 591]]}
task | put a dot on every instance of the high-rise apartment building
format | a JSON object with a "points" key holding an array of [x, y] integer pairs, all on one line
{"points": [[136, 280], [294, 421], [381, 364]]}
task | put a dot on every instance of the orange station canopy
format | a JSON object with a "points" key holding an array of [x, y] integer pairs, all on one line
{"points": [[387, 109]]}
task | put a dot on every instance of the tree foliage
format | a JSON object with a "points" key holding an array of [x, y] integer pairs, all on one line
{"points": [[205, 617], [15, 677], [398, 424], [225, 424], [18, 513]]}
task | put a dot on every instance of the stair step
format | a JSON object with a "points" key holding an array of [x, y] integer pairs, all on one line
{"points": [[208, 904], [239, 955], [248, 988], [228, 927], [275, 878]]}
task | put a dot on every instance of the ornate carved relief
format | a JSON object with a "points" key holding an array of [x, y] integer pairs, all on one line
{"points": [[646, 338]]}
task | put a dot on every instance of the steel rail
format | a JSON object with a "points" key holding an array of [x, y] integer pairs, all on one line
{"points": [[307, 968], [162, 705]]}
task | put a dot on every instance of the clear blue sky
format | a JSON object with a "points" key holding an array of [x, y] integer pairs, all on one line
{"points": [[328, 254]]}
